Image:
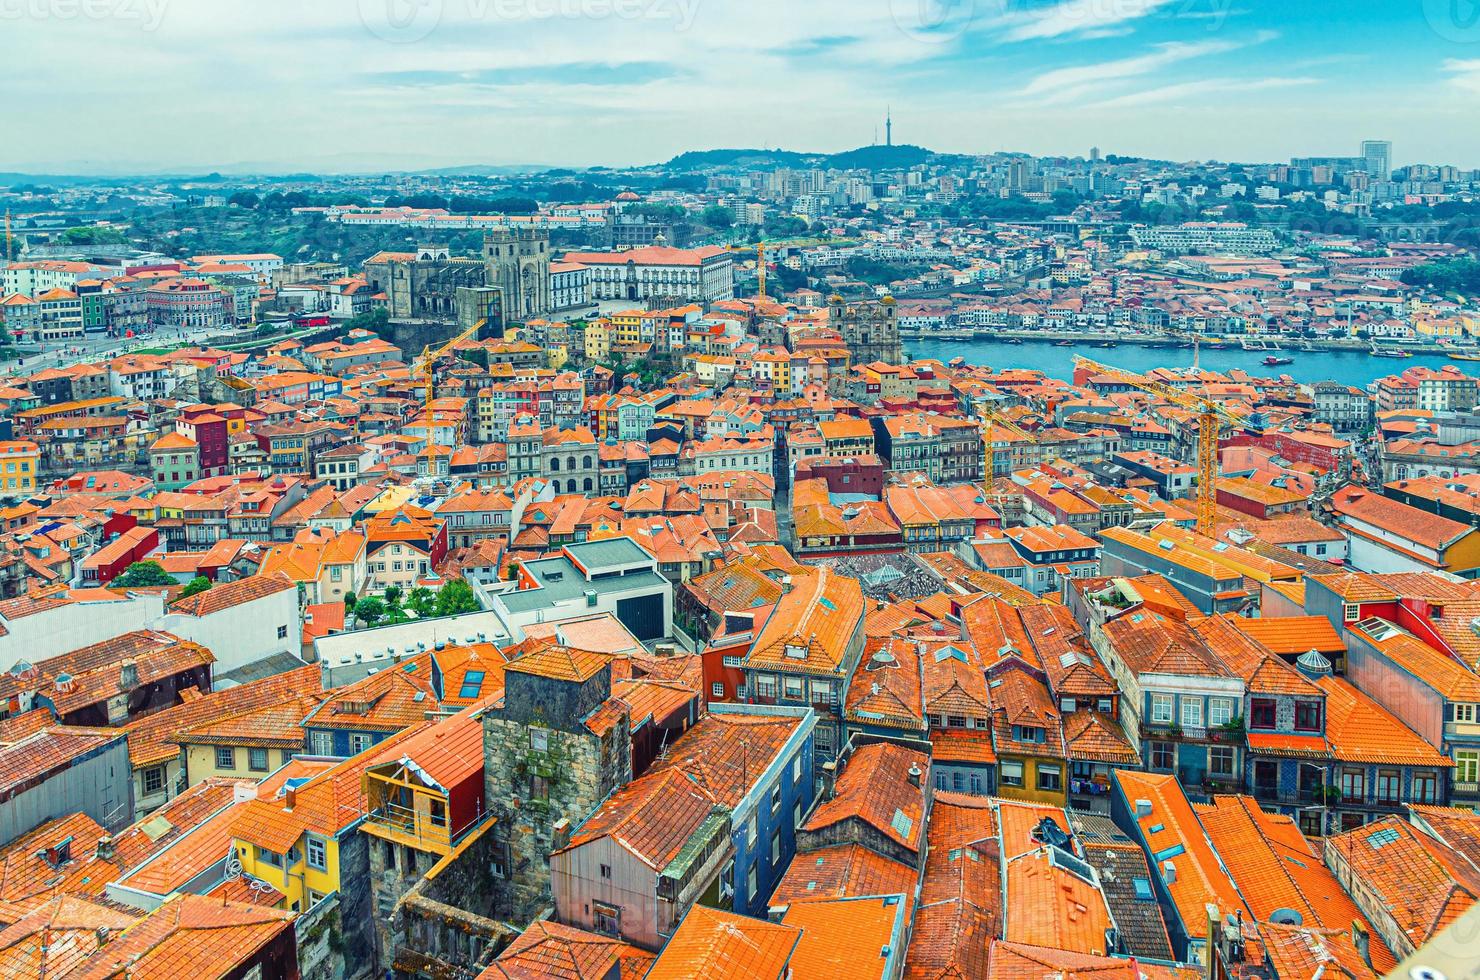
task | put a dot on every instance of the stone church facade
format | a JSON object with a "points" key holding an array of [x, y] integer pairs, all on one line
{"points": [[871, 330]]}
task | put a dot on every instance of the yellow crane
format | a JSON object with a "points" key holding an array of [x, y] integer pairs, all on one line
{"points": [[992, 420], [430, 357], [760, 254], [1211, 417]]}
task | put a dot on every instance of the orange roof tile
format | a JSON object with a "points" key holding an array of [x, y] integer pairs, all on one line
{"points": [[882, 784], [844, 938], [713, 943]]}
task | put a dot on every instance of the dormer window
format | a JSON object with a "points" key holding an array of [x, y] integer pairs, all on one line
{"points": [[796, 651]]}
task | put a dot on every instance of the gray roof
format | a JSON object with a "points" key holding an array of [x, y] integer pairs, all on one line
{"points": [[598, 555], [560, 580]]}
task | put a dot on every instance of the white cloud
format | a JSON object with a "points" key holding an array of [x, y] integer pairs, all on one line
{"points": [[1464, 73], [1079, 17], [1201, 87], [1060, 83]]}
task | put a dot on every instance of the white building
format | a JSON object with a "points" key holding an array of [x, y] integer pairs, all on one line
{"points": [[703, 275]]}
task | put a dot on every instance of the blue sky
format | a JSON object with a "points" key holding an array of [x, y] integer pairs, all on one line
{"points": [[116, 85]]}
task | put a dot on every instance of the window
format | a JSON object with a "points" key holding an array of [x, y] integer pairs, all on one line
{"points": [[317, 853], [1012, 774], [1351, 612], [1467, 766], [282, 632], [752, 882], [606, 919], [716, 690], [606, 872], [1425, 787], [776, 848], [976, 784], [358, 743], [539, 739], [1220, 761], [257, 760], [153, 780], [1050, 778], [1307, 716], [1162, 756], [750, 831], [1464, 713], [539, 787], [1027, 733], [321, 743], [796, 769], [1161, 709], [1353, 785], [1261, 713], [793, 687], [225, 757], [1220, 711], [270, 858], [1192, 713], [1389, 785]]}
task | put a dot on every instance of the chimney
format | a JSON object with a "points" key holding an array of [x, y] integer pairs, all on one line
{"points": [[914, 775], [1362, 941], [290, 797], [128, 676], [829, 777], [561, 833], [105, 848]]}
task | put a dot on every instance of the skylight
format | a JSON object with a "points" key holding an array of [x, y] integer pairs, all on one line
{"points": [[471, 685]]}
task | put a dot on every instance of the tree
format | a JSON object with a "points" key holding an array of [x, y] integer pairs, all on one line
{"points": [[369, 610], [423, 601], [349, 602], [393, 595], [244, 199], [456, 597], [195, 586], [717, 216], [144, 573]]}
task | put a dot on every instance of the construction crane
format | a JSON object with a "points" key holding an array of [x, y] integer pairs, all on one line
{"points": [[760, 254], [1211, 417], [992, 420], [430, 357]]}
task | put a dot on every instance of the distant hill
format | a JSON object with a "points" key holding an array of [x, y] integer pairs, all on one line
{"points": [[872, 157]]}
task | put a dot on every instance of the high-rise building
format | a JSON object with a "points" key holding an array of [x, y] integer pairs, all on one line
{"points": [[1378, 155], [1094, 154]]}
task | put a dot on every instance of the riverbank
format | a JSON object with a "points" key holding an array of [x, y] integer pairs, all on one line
{"points": [[1091, 338], [1351, 367]]}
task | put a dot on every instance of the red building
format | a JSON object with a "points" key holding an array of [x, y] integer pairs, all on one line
{"points": [[110, 561], [209, 429], [845, 474], [1325, 452]]}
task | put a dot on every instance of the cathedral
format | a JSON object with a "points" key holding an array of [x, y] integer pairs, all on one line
{"points": [[517, 262], [510, 283]]}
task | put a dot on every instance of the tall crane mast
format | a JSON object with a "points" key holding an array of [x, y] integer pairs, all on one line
{"points": [[760, 255], [1211, 417], [430, 357]]}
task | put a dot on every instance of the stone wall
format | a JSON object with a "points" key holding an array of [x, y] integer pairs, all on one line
{"points": [[575, 772]]}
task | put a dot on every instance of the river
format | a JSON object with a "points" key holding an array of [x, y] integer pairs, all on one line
{"points": [[1347, 367]]}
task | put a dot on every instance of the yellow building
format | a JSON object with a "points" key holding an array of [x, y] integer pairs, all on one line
{"points": [[598, 339], [293, 840], [627, 326], [19, 461], [1029, 739]]}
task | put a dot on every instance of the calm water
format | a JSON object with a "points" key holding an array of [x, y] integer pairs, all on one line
{"points": [[1347, 367]]}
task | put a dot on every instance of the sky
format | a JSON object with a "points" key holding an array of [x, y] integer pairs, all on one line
{"points": [[136, 86]]}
